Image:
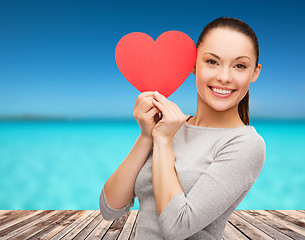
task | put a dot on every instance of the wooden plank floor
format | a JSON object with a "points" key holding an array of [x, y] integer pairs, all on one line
{"points": [[89, 224]]}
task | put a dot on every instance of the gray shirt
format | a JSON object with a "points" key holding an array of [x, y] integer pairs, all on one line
{"points": [[216, 168]]}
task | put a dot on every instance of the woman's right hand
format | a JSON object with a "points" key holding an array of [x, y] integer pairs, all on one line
{"points": [[146, 114]]}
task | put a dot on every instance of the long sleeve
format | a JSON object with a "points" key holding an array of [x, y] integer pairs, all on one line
{"points": [[109, 213], [233, 171]]}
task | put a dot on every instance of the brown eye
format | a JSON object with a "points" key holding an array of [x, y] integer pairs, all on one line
{"points": [[241, 66], [211, 61]]}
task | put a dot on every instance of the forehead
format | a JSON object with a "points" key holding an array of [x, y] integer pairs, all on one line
{"points": [[226, 42]]}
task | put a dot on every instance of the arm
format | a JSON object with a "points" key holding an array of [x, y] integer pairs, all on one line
{"points": [[118, 193], [164, 177], [233, 171]]}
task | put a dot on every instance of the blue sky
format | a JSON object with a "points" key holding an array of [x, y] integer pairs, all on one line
{"points": [[57, 57]]}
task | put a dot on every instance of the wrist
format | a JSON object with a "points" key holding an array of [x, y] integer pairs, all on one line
{"points": [[163, 141], [145, 138]]}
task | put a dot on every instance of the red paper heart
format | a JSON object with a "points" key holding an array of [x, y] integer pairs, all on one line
{"points": [[161, 65]]}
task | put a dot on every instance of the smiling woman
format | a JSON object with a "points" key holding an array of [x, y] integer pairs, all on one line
{"points": [[228, 60], [191, 172]]}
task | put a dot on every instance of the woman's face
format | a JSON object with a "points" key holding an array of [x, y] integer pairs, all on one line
{"points": [[225, 60]]}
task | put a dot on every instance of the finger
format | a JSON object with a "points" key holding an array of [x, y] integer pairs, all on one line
{"points": [[147, 104], [145, 101], [139, 105], [151, 113], [172, 108], [148, 93], [162, 108], [160, 98], [178, 111], [144, 94], [164, 101]]}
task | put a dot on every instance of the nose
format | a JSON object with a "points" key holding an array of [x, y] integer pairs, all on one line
{"points": [[224, 75]]}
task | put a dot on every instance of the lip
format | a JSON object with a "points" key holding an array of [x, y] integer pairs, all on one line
{"points": [[221, 95], [223, 88]]}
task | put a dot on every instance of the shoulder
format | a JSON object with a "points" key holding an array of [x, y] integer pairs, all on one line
{"points": [[244, 138], [246, 146]]}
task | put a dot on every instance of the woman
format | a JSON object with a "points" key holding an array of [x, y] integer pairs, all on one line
{"points": [[191, 172]]}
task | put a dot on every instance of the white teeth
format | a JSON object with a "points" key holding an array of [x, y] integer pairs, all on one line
{"points": [[221, 91]]}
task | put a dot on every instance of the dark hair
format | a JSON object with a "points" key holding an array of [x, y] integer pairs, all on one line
{"points": [[242, 27]]}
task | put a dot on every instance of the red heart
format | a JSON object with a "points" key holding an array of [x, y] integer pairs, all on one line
{"points": [[161, 65]]}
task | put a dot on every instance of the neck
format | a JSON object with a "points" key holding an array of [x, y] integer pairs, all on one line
{"points": [[209, 117]]}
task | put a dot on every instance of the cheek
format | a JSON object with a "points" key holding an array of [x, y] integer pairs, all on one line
{"points": [[205, 75], [242, 81]]}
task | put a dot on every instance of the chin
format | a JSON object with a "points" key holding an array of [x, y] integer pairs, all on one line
{"points": [[221, 108]]}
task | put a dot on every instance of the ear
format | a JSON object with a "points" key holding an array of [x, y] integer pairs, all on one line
{"points": [[194, 70], [256, 73]]}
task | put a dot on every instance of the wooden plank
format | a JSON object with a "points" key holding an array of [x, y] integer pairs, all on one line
{"points": [[15, 215], [62, 234], [133, 233], [228, 234], [295, 214], [288, 218], [275, 222], [90, 227], [23, 225], [100, 230], [4, 213], [290, 222], [80, 227], [248, 229], [49, 225], [262, 226], [63, 224], [115, 229], [231, 233], [39, 226], [127, 229], [19, 219]]}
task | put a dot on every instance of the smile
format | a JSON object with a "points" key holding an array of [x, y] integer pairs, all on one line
{"points": [[221, 93]]}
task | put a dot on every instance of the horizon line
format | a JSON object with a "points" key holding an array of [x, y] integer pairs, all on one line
{"points": [[40, 117]]}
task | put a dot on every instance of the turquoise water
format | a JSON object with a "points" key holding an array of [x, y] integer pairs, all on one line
{"points": [[63, 165]]}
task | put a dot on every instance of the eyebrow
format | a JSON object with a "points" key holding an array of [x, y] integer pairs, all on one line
{"points": [[219, 57]]}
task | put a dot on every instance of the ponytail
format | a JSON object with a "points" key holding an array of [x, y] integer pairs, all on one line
{"points": [[243, 109]]}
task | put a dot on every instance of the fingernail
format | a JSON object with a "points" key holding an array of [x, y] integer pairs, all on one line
{"points": [[157, 92]]}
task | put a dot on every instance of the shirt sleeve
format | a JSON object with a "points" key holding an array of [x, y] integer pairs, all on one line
{"points": [[232, 172], [109, 213]]}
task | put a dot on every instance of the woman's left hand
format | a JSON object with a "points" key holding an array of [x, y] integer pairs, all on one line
{"points": [[172, 118]]}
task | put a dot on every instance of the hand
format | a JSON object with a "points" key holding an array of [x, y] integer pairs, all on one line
{"points": [[172, 118], [146, 114]]}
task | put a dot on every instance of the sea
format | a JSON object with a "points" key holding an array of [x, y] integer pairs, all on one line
{"points": [[64, 164]]}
